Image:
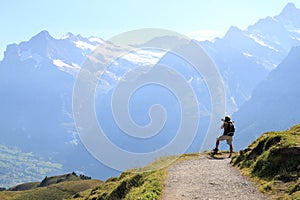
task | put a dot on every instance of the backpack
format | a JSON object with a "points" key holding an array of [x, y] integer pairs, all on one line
{"points": [[230, 129]]}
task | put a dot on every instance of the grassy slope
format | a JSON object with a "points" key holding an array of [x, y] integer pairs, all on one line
{"points": [[55, 187], [48, 181], [51, 192], [145, 183], [142, 183], [273, 160]]}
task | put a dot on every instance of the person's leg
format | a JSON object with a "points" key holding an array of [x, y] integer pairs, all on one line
{"points": [[217, 143], [229, 142], [231, 150], [215, 150], [221, 138]]}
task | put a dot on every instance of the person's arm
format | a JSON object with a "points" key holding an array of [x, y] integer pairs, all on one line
{"points": [[223, 125]]}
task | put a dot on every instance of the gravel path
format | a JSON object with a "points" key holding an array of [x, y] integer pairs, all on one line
{"points": [[205, 178]]}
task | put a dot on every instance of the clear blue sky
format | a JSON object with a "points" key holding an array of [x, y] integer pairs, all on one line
{"points": [[20, 20]]}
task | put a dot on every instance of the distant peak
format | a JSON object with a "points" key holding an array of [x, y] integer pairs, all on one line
{"points": [[290, 15], [288, 9], [42, 35], [289, 6], [233, 31], [68, 35], [71, 36]]}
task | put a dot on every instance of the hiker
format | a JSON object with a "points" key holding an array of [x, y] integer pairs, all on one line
{"points": [[229, 129]]}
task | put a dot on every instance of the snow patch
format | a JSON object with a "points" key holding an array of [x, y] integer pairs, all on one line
{"points": [[295, 31], [262, 43], [96, 40], [137, 58], [295, 38], [84, 45], [233, 101], [144, 57], [72, 69], [247, 54]]}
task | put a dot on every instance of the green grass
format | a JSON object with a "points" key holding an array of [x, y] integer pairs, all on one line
{"points": [[142, 183], [51, 192], [49, 181], [145, 183], [55, 187], [274, 161]]}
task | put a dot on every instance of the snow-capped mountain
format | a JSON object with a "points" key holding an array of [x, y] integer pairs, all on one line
{"points": [[36, 85], [66, 53], [245, 57]]}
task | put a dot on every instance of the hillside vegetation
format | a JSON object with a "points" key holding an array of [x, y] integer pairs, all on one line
{"points": [[49, 181], [145, 183], [50, 188], [274, 161], [17, 166]]}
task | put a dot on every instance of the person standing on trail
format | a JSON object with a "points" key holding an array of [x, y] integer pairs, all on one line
{"points": [[229, 129]]}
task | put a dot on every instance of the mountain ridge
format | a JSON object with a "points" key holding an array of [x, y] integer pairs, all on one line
{"points": [[274, 103], [245, 57]]}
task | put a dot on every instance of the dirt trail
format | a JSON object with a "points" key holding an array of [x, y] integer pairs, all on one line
{"points": [[205, 178]]}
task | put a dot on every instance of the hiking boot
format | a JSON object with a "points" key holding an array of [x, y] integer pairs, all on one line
{"points": [[215, 150]]}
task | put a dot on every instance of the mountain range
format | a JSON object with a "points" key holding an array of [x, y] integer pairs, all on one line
{"points": [[274, 104], [258, 67], [245, 57]]}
